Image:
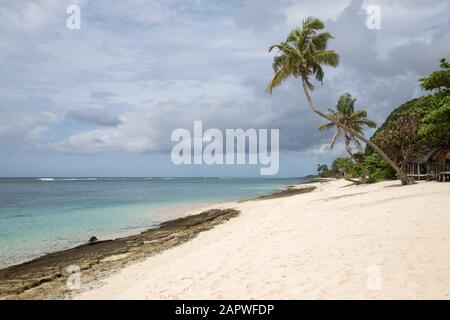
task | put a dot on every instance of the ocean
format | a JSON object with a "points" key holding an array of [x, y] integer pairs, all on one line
{"points": [[43, 215]]}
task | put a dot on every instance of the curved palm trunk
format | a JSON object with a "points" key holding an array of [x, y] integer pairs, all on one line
{"points": [[402, 176]]}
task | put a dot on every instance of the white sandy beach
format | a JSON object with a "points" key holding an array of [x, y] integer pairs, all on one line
{"points": [[379, 241]]}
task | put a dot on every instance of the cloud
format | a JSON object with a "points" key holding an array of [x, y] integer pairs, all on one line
{"points": [[102, 95], [97, 116], [379, 67], [148, 130], [141, 69], [365, 50], [324, 153], [18, 129], [260, 16], [296, 11]]}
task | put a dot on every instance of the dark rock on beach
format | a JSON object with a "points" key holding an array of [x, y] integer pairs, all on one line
{"points": [[290, 191], [46, 277]]}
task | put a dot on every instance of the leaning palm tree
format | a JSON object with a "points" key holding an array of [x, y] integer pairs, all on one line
{"points": [[345, 113], [302, 56]]}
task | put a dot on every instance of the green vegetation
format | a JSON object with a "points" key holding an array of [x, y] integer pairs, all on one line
{"points": [[400, 138], [356, 120], [436, 123], [302, 56], [346, 114], [323, 171], [378, 168], [344, 167], [412, 127], [417, 124], [438, 79]]}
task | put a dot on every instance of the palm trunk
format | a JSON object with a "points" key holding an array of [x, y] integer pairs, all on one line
{"points": [[402, 176]]}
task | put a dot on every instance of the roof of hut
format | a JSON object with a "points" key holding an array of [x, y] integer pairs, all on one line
{"points": [[443, 153], [424, 155]]}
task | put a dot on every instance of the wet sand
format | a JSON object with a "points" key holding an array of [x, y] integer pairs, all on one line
{"points": [[46, 276]]}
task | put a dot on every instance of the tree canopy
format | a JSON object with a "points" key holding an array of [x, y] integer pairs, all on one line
{"points": [[423, 122], [439, 79], [303, 54], [345, 112], [436, 124]]}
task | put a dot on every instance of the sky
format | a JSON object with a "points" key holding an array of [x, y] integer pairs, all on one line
{"points": [[103, 100]]}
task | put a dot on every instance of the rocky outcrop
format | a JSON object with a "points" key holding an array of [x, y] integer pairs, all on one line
{"points": [[46, 277]]}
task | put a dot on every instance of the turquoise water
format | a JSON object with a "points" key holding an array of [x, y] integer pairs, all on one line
{"points": [[41, 215]]}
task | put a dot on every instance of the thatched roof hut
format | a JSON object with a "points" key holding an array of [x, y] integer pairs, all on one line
{"points": [[442, 154], [430, 164], [424, 155]]}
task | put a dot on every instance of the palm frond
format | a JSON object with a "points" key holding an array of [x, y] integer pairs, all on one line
{"points": [[359, 114], [326, 126], [281, 75], [336, 135], [333, 113], [367, 122], [318, 73], [303, 54], [309, 85], [327, 57], [312, 24], [358, 144], [321, 40]]}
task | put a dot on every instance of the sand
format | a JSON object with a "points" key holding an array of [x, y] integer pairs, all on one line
{"points": [[379, 241], [46, 277]]}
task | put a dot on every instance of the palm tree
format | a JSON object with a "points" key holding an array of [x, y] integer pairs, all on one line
{"points": [[345, 113], [302, 56]]}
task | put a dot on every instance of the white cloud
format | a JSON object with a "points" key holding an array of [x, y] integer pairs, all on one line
{"points": [[325, 10], [24, 128], [95, 115], [160, 65]]}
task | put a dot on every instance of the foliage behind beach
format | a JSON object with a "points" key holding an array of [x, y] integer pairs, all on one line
{"points": [[412, 127]]}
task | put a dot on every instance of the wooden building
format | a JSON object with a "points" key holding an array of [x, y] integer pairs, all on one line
{"points": [[442, 160], [430, 164]]}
